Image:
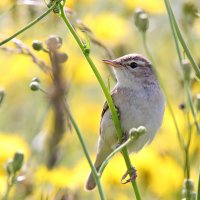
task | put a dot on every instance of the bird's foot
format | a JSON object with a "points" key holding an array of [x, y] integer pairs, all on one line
{"points": [[131, 173]]}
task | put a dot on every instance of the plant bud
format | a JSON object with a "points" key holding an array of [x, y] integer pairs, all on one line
{"points": [[190, 12], [186, 69], [133, 133], [141, 130], [141, 20], [62, 57], [137, 12], [37, 45], [188, 189], [18, 161], [9, 167], [136, 132], [54, 42], [182, 106], [34, 86], [35, 79]]}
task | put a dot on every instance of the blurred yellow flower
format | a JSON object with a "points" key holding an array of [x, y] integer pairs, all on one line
{"points": [[63, 177], [108, 27], [58, 177], [73, 3], [156, 6], [19, 69], [5, 4], [160, 173]]}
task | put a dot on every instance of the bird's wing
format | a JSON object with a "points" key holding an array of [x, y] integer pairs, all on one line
{"points": [[106, 107]]}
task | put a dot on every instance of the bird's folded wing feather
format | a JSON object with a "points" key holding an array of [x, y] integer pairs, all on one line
{"points": [[106, 107]]}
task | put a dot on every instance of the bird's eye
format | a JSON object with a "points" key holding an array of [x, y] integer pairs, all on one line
{"points": [[133, 65]]}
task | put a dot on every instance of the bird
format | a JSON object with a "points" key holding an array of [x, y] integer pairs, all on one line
{"points": [[139, 101]]}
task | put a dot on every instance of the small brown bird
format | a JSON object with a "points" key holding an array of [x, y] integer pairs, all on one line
{"points": [[140, 102]]}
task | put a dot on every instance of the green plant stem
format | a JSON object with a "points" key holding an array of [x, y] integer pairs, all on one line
{"points": [[198, 189], [146, 47], [163, 88], [175, 37], [105, 91], [7, 192], [172, 21], [186, 149], [125, 144], [79, 134], [105, 162], [181, 39], [29, 25], [187, 87]]}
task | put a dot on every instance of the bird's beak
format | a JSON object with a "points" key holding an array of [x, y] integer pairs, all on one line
{"points": [[113, 63]]}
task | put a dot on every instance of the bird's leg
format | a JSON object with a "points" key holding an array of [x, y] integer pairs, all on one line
{"points": [[133, 176], [124, 138]]}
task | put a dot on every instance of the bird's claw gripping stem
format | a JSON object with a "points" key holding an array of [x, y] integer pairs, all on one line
{"points": [[133, 176]]}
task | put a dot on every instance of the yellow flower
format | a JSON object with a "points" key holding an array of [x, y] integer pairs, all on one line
{"points": [[5, 4], [156, 6], [160, 173], [73, 3], [63, 177], [108, 27]]}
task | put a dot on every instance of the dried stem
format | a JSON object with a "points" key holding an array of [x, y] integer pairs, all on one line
{"points": [[56, 97]]}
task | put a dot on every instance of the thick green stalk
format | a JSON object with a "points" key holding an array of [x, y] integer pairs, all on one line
{"points": [[79, 134], [181, 39], [29, 25], [106, 93]]}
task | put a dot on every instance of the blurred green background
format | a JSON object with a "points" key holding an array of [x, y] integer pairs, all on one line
{"points": [[26, 119]]}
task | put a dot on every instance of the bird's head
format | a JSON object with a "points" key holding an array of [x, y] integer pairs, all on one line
{"points": [[131, 68]]}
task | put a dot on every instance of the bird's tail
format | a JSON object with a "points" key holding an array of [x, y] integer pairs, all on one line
{"points": [[90, 183]]}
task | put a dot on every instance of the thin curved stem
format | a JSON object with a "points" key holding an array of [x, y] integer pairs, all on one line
{"points": [[105, 91], [181, 39], [198, 190], [192, 106], [174, 36], [132, 137], [146, 47], [79, 134], [29, 25]]}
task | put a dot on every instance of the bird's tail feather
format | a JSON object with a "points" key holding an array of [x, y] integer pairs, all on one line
{"points": [[90, 183]]}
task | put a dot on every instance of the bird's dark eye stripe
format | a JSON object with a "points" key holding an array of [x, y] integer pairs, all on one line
{"points": [[133, 65]]}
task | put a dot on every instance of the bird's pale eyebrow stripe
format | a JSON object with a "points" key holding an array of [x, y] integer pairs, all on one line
{"points": [[141, 59], [136, 58]]}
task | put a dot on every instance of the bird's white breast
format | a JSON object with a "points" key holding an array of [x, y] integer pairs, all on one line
{"points": [[143, 106]]}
